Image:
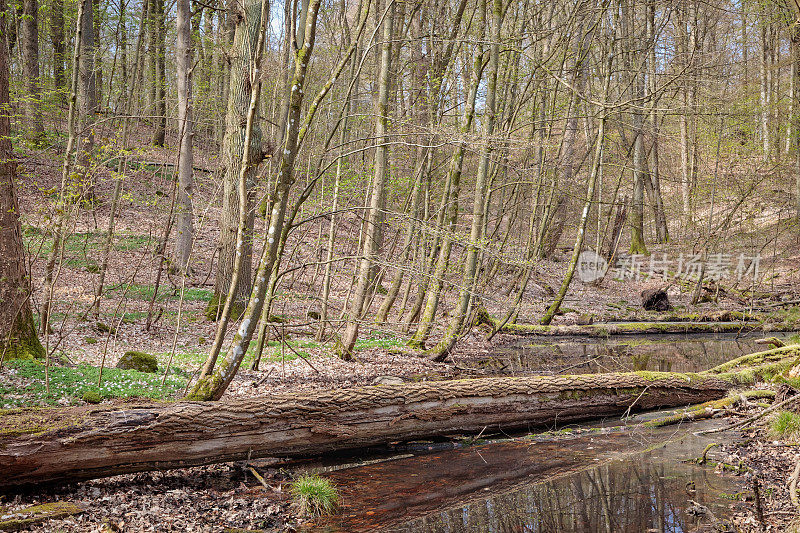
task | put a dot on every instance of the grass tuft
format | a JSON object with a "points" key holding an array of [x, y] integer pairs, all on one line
{"points": [[785, 425], [316, 495]]}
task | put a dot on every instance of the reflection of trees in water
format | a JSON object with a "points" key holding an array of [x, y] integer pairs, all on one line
{"points": [[620, 497], [621, 354]]}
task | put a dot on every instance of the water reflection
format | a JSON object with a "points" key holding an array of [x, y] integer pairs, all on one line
{"points": [[618, 497], [542, 486], [666, 353]]}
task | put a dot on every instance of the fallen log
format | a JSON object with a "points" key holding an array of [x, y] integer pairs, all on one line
{"points": [[50, 445]]}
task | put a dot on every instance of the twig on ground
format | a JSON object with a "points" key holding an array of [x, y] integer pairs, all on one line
{"points": [[793, 485], [748, 421]]}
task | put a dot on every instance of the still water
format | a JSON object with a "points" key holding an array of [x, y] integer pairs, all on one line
{"points": [[580, 355], [614, 479]]}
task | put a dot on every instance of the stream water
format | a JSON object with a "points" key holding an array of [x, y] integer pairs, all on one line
{"points": [[601, 478], [582, 355]]}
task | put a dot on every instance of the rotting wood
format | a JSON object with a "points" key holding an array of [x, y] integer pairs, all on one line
{"points": [[36, 514], [107, 442]]}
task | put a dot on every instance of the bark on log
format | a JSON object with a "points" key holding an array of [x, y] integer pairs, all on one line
{"points": [[46, 446]]}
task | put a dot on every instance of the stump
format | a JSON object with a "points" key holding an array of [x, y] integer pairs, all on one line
{"points": [[656, 300]]}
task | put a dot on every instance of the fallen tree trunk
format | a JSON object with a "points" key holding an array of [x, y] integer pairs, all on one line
{"points": [[44, 446]]}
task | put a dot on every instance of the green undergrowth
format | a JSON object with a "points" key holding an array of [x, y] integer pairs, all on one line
{"points": [[22, 384], [379, 341], [137, 291], [193, 359], [40, 242], [785, 425]]}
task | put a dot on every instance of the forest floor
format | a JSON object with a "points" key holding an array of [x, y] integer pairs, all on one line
{"points": [[180, 335]]}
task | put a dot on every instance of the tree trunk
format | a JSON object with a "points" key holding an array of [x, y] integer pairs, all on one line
{"points": [[576, 249], [59, 47], [241, 64], [375, 216], [18, 337], [88, 79], [159, 49], [212, 387], [454, 187], [29, 26], [88, 443], [66, 172], [795, 116], [442, 350], [183, 51]]}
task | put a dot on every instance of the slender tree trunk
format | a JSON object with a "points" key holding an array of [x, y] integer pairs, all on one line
{"points": [[662, 230], [29, 27], [597, 163], [183, 52], [795, 117], [57, 39], [212, 387], [453, 187], [160, 74], [68, 188], [252, 26], [374, 216], [765, 91], [442, 350], [97, 17], [237, 141], [89, 106]]}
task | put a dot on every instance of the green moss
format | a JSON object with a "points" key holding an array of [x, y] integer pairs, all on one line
{"points": [[91, 396], [655, 376], [102, 327], [215, 306], [29, 516], [141, 361], [90, 340], [201, 392], [23, 343]]}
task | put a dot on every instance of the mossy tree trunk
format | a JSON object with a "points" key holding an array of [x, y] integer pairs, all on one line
{"points": [[18, 338], [212, 387]]}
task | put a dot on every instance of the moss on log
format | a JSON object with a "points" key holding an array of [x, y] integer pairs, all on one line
{"points": [[30, 516]]}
